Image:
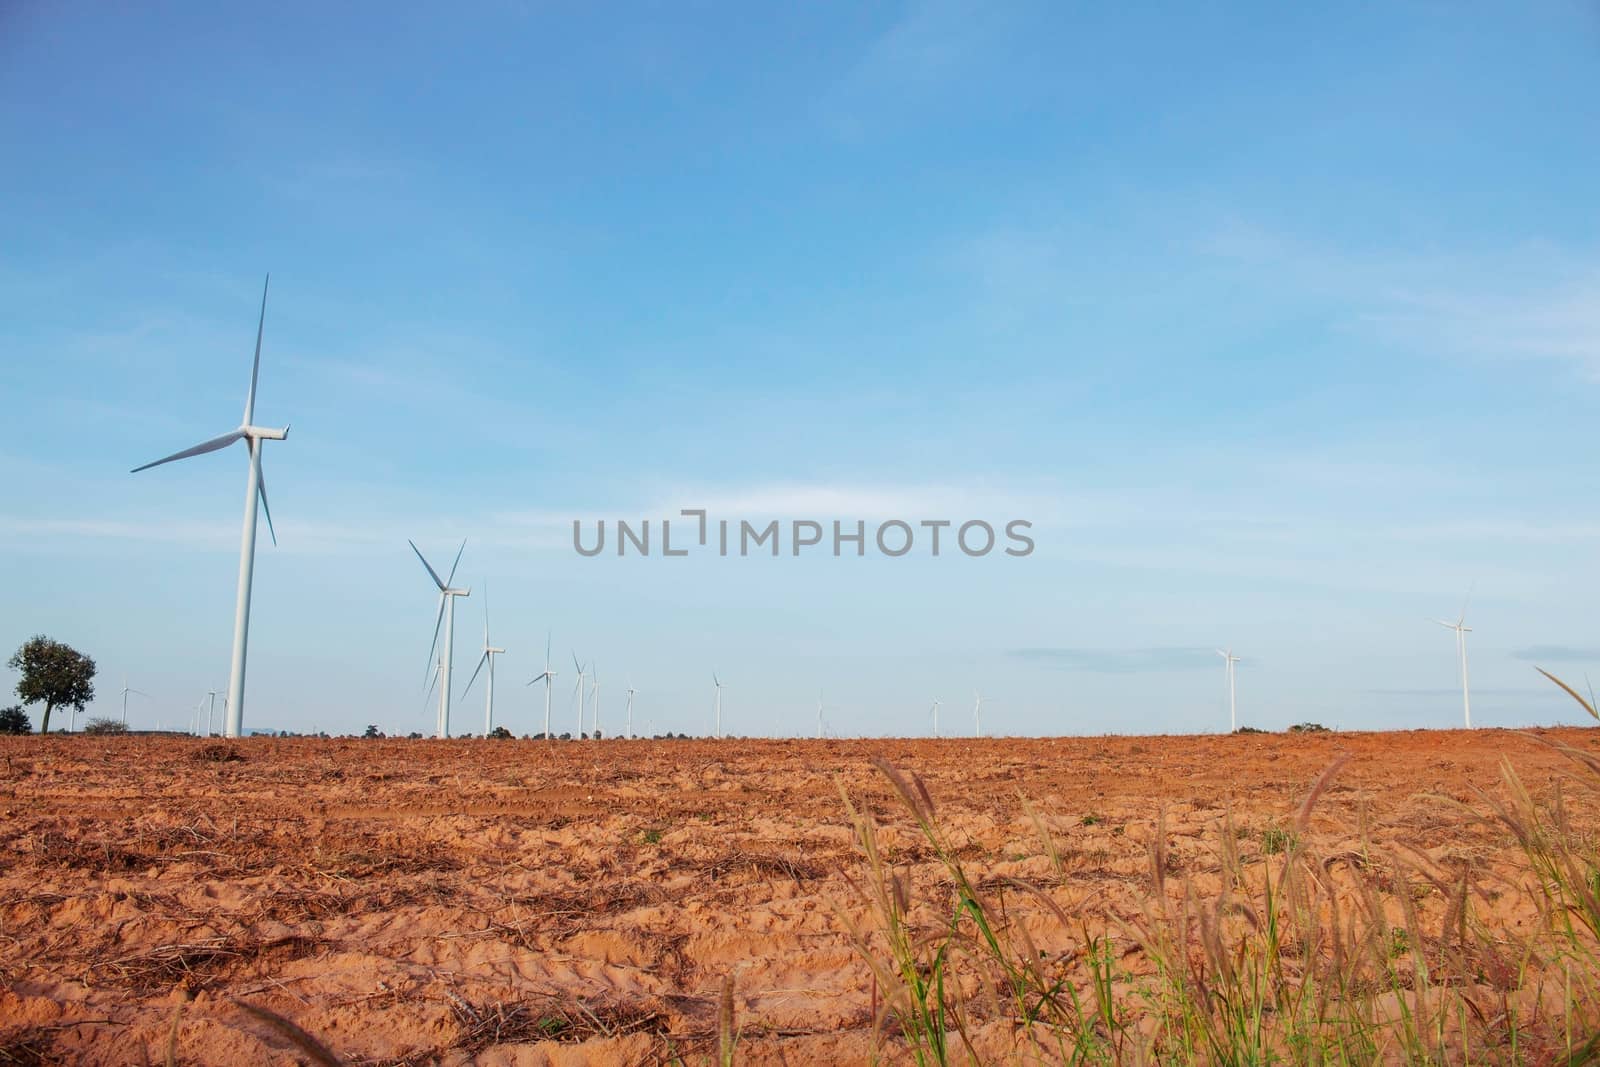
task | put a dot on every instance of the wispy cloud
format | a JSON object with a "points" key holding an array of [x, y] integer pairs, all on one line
{"points": [[844, 501], [1122, 660], [1535, 301]]}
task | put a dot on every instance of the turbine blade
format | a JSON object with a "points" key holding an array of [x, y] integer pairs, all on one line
{"points": [[198, 450], [474, 677], [547, 650], [457, 563], [261, 491], [1467, 601], [255, 368], [1446, 625], [433, 681], [431, 572]]}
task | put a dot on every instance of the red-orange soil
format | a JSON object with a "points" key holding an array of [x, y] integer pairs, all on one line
{"points": [[517, 902]]}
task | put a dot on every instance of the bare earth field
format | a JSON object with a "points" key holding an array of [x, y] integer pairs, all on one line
{"points": [[517, 902]]}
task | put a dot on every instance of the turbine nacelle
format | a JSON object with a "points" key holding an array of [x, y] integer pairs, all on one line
{"points": [[264, 433]]}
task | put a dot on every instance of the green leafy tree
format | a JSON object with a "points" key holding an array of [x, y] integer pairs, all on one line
{"points": [[53, 674], [14, 720]]}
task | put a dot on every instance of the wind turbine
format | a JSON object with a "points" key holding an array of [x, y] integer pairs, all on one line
{"points": [[631, 691], [718, 683], [579, 693], [447, 619], [819, 715], [489, 653], [594, 693], [1462, 630], [255, 489], [936, 704], [547, 677], [210, 709], [125, 692], [1229, 659], [977, 714]]}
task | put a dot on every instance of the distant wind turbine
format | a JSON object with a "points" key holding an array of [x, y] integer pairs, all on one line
{"points": [[1462, 630], [977, 714], [547, 676], [489, 653], [594, 695], [936, 704], [718, 683], [210, 709], [433, 680], [1229, 659], [821, 707], [631, 690], [446, 619], [579, 693], [255, 489], [125, 691]]}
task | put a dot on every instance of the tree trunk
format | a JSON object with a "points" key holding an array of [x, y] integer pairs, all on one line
{"points": [[48, 708]]}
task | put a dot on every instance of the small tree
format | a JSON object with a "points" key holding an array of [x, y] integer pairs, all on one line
{"points": [[500, 733], [105, 726], [14, 720], [54, 674], [372, 732]]}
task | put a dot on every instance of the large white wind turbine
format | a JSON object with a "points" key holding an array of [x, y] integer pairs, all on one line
{"points": [[489, 653], [446, 619], [718, 683], [1462, 630], [255, 489], [1229, 659], [547, 677]]}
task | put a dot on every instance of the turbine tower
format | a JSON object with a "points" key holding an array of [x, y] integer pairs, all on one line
{"points": [[718, 683], [255, 489], [210, 709], [594, 693], [489, 653], [1462, 630], [1229, 659], [977, 714], [631, 690], [446, 619], [936, 704], [547, 677]]}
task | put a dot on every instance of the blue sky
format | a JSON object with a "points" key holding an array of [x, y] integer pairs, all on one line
{"points": [[1282, 329]]}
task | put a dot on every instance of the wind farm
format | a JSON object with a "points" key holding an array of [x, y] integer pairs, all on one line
{"points": [[890, 416]]}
